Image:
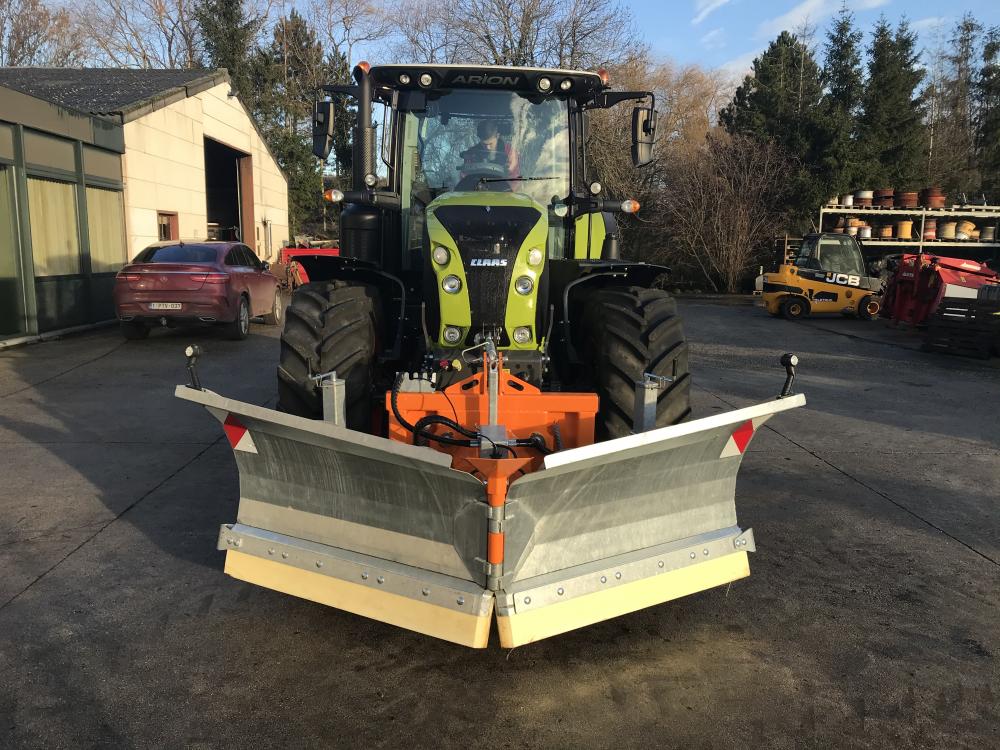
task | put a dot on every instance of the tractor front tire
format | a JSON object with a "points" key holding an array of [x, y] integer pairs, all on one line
{"points": [[330, 326], [625, 333]]}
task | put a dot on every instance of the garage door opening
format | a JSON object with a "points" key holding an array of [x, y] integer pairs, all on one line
{"points": [[228, 192]]}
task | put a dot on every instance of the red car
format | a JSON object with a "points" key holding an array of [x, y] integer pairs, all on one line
{"points": [[196, 283]]}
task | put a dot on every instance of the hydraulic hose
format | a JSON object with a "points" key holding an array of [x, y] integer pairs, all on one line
{"points": [[419, 430]]}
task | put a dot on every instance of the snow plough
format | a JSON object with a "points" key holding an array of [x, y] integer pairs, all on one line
{"points": [[483, 407]]}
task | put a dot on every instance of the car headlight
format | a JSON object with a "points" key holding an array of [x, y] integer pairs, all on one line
{"points": [[452, 335], [441, 255], [524, 285], [522, 335], [451, 284], [534, 256]]}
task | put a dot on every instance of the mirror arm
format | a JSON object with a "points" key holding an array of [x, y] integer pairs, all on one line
{"points": [[608, 99]]}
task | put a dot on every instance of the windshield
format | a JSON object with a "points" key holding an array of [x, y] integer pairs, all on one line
{"points": [[832, 254], [487, 140], [178, 254]]}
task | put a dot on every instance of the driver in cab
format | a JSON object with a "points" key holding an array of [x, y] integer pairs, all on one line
{"points": [[492, 150]]}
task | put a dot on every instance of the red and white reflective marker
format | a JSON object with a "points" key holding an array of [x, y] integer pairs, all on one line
{"points": [[741, 437], [238, 435]]}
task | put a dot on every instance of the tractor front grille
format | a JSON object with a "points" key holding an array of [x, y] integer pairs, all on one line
{"points": [[488, 239]]}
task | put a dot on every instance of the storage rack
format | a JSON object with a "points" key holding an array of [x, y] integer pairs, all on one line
{"points": [[920, 245]]}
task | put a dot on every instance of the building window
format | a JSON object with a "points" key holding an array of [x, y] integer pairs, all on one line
{"points": [[55, 238], [10, 286], [166, 222], [106, 226]]}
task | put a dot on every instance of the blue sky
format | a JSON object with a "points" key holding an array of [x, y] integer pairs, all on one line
{"points": [[730, 33]]}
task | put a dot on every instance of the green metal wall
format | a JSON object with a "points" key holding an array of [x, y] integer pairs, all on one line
{"points": [[49, 142]]}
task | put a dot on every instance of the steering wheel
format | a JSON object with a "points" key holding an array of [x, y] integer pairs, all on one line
{"points": [[476, 171]]}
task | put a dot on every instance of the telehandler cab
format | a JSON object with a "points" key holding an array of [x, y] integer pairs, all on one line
{"points": [[482, 402]]}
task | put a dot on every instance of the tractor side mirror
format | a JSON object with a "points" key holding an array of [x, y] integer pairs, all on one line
{"points": [[643, 135], [322, 128]]}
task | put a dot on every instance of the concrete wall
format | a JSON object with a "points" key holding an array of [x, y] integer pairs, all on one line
{"points": [[164, 169]]}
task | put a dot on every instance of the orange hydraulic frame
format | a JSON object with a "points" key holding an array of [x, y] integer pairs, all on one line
{"points": [[564, 420]]}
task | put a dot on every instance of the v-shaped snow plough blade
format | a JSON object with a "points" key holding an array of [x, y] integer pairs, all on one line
{"points": [[391, 532]]}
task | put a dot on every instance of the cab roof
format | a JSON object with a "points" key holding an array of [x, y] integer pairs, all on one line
{"points": [[581, 83]]}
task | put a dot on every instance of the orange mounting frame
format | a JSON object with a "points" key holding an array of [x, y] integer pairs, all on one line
{"points": [[521, 407]]}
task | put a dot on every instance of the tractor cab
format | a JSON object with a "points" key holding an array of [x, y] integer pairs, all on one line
{"points": [[469, 193]]}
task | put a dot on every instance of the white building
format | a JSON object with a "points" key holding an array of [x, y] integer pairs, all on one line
{"points": [[95, 164]]}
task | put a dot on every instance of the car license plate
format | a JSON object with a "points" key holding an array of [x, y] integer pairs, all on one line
{"points": [[164, 305]]}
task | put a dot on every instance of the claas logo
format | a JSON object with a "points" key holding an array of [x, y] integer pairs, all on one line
{"points": [[843, 279]]}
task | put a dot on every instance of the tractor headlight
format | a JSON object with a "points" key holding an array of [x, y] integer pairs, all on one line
{"points": [[522, 335], [524, 285], [566, 84], [544, 84], [441, 255], [451, 284], [534, 256], [404, 79], [426, 80], [452, 335]]}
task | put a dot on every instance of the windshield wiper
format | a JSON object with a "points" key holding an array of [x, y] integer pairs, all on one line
{"points": [[483, 180]]}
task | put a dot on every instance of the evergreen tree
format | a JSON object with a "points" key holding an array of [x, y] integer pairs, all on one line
{"points": [[988, 116], [780, 103], [892, 132], [287, 77], [951, 98], [229, 32], [842, 78]]}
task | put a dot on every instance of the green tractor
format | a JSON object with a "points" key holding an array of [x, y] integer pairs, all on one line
{"points": [[481, 374], [471, 219]]}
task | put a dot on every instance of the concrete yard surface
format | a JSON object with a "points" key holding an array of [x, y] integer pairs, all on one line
{"points": [[871, 617]]}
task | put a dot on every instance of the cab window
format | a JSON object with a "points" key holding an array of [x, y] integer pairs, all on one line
{"points": [[832, 254]]}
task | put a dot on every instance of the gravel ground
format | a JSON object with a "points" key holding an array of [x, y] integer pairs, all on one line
{"points": [[870, 618]]}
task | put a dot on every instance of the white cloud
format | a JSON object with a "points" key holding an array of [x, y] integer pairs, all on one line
{"points": [[740, 66], [715, 39], [810, 12], [704, 8], [932, 22]]}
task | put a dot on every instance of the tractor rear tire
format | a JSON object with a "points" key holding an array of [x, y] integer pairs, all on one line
{"points": [[329, 326], [626, 332]]}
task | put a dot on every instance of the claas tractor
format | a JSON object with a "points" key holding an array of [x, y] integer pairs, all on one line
{"points": [[483, 404], [826, 275]]}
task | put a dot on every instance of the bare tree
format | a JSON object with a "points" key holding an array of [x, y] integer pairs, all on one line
{"points": [[687, 99], [556, 33], [32, 34], [590, 34], [723, 204], [342, 25], [143, 33], [430, 35]]}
